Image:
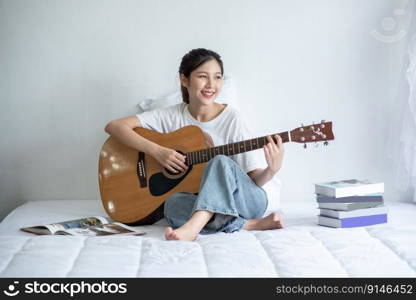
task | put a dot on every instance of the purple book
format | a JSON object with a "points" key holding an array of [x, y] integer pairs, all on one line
{"points": [[352, 222], [351, 199]]}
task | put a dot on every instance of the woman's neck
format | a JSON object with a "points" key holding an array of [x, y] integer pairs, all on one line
{"points": [[205, 113]]}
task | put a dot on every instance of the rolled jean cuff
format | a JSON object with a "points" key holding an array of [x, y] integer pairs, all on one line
{"points": [[215, 210], [235, 225], [223, 223]]}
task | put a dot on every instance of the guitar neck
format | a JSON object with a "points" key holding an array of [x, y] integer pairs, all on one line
{"points": [[204, 155]]}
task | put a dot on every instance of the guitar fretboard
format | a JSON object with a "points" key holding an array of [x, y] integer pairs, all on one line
{"points": [[204, 155]]}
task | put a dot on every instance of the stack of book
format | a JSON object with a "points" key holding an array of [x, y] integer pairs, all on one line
{"points": [[350, 203]]}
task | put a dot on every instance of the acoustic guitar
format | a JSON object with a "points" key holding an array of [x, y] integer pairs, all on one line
{"points": [[134, 186]]}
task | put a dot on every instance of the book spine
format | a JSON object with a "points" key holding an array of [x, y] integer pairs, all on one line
{"points": [[353, 213], [350, 199], [349, 206], [323, 190], [363, 221]]}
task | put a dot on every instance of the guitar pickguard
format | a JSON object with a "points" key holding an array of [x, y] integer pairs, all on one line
{"points": [[159, 184]]}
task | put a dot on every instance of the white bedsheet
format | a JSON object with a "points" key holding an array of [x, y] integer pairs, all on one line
{"points": [[302, 249]]}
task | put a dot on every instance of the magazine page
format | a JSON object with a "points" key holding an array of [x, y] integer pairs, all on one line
{"points": [[102, 230], [76, 224]]}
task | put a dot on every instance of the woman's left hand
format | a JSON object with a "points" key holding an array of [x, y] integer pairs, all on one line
{"points": [[274, 153]]}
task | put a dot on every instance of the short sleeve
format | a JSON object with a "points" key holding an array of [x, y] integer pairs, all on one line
{"points": [[248, 161], [151, 120], [163, 120]]}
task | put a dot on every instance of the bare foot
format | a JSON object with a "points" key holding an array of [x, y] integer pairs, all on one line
{"points": [[182, 233], [272, 221]]}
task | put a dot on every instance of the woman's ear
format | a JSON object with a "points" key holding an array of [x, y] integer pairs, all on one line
{"points": [[184, 80]]}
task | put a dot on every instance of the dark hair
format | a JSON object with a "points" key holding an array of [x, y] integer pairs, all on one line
{"points": [[192, 60]]}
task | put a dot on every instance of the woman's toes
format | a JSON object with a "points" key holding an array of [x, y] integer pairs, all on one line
{"points": [[168, 233], [174, 236]]}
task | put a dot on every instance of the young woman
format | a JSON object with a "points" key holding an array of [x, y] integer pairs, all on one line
{"points": [[230, 197]]}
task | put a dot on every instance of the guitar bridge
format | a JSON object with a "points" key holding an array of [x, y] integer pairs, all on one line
{"points": [[141, 170]]}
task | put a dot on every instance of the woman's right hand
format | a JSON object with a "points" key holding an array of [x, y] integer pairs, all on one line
{"points": [[170, 159]]}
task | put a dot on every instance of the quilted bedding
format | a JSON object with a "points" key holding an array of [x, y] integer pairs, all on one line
{"points": [[302, 249]]}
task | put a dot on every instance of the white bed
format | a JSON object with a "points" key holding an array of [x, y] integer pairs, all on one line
{"points": [[302, 249]]}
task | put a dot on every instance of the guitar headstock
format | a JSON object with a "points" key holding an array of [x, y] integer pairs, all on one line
{"points": [[313, 133]]}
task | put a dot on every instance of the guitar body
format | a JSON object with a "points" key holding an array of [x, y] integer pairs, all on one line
{"points": [[134, 186]]}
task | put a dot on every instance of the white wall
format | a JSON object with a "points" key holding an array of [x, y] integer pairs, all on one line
{"points": [[68, 67]]}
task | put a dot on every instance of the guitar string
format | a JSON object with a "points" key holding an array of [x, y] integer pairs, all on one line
{"points": [[204, 155]]}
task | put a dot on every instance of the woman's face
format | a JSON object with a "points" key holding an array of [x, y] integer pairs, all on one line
{"points": [[204, 83]]}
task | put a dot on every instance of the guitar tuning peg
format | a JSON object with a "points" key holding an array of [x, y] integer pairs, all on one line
{"points": [[326, 143], [316, 145], [322, 121], [304, 146]]}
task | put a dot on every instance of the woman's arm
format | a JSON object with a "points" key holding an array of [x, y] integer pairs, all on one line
{"points": [[274, 153], [260, 176], [122, 130]]}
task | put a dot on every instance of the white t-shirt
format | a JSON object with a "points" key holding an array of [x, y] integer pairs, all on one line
{"points": [[228, 127]]}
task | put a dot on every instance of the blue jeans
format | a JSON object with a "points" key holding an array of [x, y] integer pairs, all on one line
{"points": [[225, 190]]}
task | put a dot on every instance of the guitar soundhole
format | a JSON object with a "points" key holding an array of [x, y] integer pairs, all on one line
{"points": [[159, 184], [172, 173]]}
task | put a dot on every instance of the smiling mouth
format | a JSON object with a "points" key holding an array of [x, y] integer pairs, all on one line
{"points": [[207, 94]]}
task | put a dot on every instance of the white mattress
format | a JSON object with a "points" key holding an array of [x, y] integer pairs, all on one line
{"points": [[302, 249]]}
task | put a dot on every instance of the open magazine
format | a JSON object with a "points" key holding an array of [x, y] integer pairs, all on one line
{"points": [[91, 226]]}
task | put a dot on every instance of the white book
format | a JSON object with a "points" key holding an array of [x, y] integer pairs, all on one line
{"points": [[349, 206], [350, 187], [353, 213]]}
